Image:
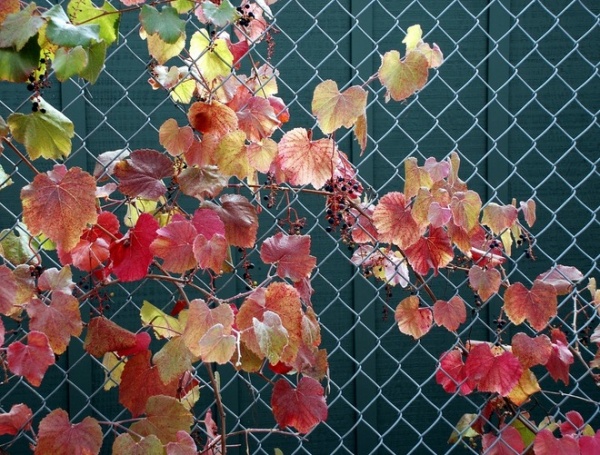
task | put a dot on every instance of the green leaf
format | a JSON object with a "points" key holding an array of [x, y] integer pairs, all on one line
{"points": [[183, 6], [96, 56], [16, 66], [19, 27], [47, 134], [69, 62], [62, 32], [220, 15], [18, 245], [167, 23], [84, 11]]}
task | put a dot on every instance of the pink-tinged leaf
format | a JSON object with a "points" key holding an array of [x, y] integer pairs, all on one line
{"points": [[495, 371], [438, 170], [402, 78], [104, 336], [271, 335], [240, 219], [201, 319], [184, 445], [590, 445], [393, 220], [125, 445], [546, 444], [508, 442], [217, 345], [363, 229], [58, 321], [140, 381], [560, 357], [361, 132], [58, 436], [8, 290], [17, 419], [214, 118], [141, 175], [335, 109], [562, 277], [57, 280], [490, 257], [411, 319], [31, 360], [201, 153], [438, 215], [450, 314], [528, 209], [208, 223], [452, 375], [531, 351], [302, 408], [211, 254], [430, 252], [466, 240], [307, 162], [416, 177], [174, 139], [60, 204], [433, 54], [256, 117], [165, 416], [131, 255], [142, 342], [2, 333], [174, 244], [486, 282], [499, 217], [537, 305], [202, 182], [261, 154], [466, 207], [107, 161], [573, 424], [291, 253]]}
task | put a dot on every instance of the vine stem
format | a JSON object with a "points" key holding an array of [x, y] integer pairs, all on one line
{"points": [[23, 157], [220, 407]]}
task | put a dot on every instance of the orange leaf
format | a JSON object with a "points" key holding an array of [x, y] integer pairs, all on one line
{"points": [[19, 418], [431, 252], [334, 109], [415, 178], [537, 305], [531, 351], [104, 336], [450, 314], [176, 140], [393, 220], [527, 386], [411, 319], [485, 282], [214, 118]]}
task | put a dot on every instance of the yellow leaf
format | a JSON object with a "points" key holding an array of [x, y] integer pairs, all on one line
{"points": [[164, 326], [335, 109], [212, 58], [413, 37]]}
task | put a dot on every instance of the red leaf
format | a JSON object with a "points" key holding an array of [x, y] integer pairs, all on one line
{"points": [[531, 351], [131, 255], [302, 408], [411, 319], [58, 436], [485, 282], [560, 357], [573, 424], [256, 116], [508, 442], [104, 336], [590, 445], [562, 278], [174, 244], [60, 204], [31, 360], [19, 418], [8, 290], [451, 373], [538, 306], [280, 368], [291, 253], [450, 314], [208, 223], [211, 254], [140, 381], [240, 219], [546, 444], [142, 341], [393, 220], [495, 371], [141, 174], [185, 445], [307, 162], [430, 252]]}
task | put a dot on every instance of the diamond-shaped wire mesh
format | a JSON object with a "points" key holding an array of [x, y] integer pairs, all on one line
{"points": [[517, 97]]}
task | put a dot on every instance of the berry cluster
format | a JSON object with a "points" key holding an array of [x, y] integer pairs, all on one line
{"points": [[344, 191], [247, 16]]}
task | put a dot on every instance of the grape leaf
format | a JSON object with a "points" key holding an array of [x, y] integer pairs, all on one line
{"points": [[537, 305], [141, 174], [200, 320], [174, 139], [562, 278], [16, 66], [465, 206], [256, 116], [96, 57], [104, 336], [527, 386], [18, 418], [165, 416], [415, 178], [62, 32], [213, 58], [393, 220], [402, 78], [302, 408], [546, 444], [212, 118], [590, 445], [361, 132], [161, 50], [411, 319], [261, 154], [60, 204], [8, 290], [560, 357], [184, 445], [58, 436], [450, 314], [220, 15], [69, 62], [272, 337], [528, 209], [573, 424], [125, 445], [304, 161], [140, 381], [413, 37], [58, 321], [174, 244], [32, 360], [335, 109], [495, 371], [531, 351], [131, 255], [164, 326], [217, 345], [18, 246], [431, 252], [452, 375], [20, 26], [230, 155], [499, 217], [211, 254], [202, 182], [291, 253], [84, 11], [166, 23], [8, 7], [486, 282], [240, 219], [508, 442], [173, 359], [46, 133]]}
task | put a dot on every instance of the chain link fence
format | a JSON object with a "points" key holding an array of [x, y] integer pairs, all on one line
{"points": [[517, 97]]}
